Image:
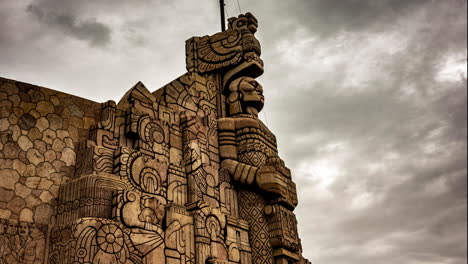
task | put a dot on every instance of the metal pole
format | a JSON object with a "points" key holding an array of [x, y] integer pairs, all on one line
{"points": [[223, 19]]}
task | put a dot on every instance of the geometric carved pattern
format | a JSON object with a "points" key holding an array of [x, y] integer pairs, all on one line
{"points": [[251, 209]]}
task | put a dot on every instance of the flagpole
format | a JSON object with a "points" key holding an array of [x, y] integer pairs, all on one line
{"points": [[223, 19]]}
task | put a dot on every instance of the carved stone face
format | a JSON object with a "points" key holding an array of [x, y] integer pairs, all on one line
{"points": [[248, 21], [12, 228], [251, 95], [23, 229], [245, 96]]}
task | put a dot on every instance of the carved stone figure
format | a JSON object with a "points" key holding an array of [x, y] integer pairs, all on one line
{"points": [[186, 174], [251, 158]]}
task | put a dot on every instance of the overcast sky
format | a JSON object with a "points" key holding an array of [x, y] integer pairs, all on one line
{"points": [[367, 98]]}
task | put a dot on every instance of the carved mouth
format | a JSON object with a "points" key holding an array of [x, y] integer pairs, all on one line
{"points": [[252, 68], [252, 28], [255, 104]]}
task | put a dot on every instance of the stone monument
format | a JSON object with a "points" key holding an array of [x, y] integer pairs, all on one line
{"points": [[185, 174]]}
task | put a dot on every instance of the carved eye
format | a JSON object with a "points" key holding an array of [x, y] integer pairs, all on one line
{"points": [[240, 24]]}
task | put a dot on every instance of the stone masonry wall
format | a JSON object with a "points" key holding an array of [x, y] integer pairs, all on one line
{"points": [[39, 129]]}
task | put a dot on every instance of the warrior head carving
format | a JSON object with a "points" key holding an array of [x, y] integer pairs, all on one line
{"points": [[245, 96]]}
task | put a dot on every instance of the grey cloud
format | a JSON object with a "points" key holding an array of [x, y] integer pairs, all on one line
{"points": [[328, 18], [403, 132], [418, 198], [96, 33]]}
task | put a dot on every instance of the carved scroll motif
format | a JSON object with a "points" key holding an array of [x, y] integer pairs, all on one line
{"points": [[226, 48], [145, 174], [94, 159]]}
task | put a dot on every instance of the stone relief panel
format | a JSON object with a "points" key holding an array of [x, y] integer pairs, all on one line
{"points": [[22, 242]]}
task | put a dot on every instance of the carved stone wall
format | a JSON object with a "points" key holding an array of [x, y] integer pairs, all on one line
{"points": [[184, 174]]}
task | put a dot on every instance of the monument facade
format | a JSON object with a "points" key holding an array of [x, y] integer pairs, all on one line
{"points": [[185, 174]]}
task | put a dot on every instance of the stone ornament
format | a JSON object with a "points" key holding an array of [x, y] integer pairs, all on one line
{"points": [[184, 174]]}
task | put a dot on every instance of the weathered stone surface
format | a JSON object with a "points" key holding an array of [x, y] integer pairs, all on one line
{"points": [[36, 95], [27, 121], [8, 178], [32, 201], [5, 214], [21, 190], [4, 124], [45, 184], [68, 171], [42, 124], [55, 121], [50, 155], [34, 134], [6, 108], [26, 215], [35, 114], [42, 214], [18, 111], [24, 143], [56, 178], [45, 107], [45, 169], [58, 164], [26, 106], [13, 119], [6, 195], [58, 145], [6, 163], [54, 190], [16, 132], [19, 166], [30, 170], [11, 150], [24, 97], [88, 122], [48, 136], [9, 88], [76, 122], [46, 197], [16, 204], [73, 131], [33, 182], [69, 142], [40, 145], [34, 156], [68, 156], [62, 134], [15, 99], [55, 100], [76, 111]]}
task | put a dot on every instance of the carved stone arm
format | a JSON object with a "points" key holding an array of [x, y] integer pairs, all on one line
{"points": [[240, 172], [227, 138], [268, 178]]}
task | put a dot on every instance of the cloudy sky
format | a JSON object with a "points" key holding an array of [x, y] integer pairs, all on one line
{"points": [[367, 98]]}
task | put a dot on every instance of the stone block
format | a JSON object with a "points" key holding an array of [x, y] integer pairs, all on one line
{"points": [[8, 178]]}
